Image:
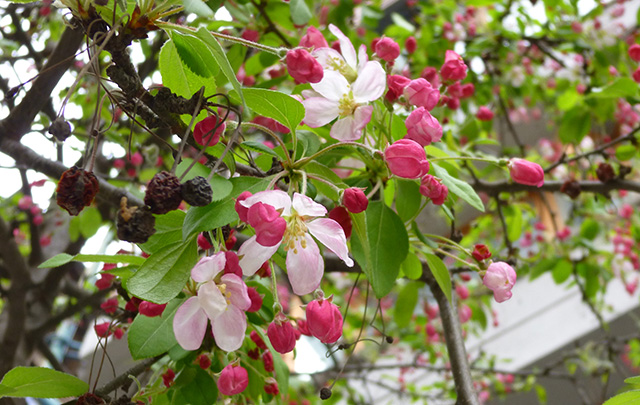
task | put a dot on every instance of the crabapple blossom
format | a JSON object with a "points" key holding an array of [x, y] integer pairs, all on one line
{"points": [[233, 380], [303, 67], [313, 39], [354, 200], [525, 172], [341, 216], [206, 133], [423, 127], [432, 188], [634, 52], [220, 299], [396, 85], [453, 68], [305, 265], [410, 45], [484, 114], [500, 278], [387, 49], [324, 320], [406, 158], [481, 252], [421, 93], [151, 309], [281, 334]]}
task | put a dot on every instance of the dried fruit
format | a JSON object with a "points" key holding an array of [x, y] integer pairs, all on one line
{"points": [[197, 192], [135, 224], [60, 129], [571, 188], [164, 193], [605, 172], [76, 189]]}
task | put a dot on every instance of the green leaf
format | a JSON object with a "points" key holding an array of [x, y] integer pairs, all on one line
{"points": [[90, 221], [164, 273], [273, 104], [575, 124], [259, 147], [64, 258], [541, 392], [632, 380], [194, 54], [626, 398], [562, 271], [408, 198], [168, 231], [195, 386], [220, 213], [300, 14], [412, 266], [178, 77], [459, 188], [621, 88], [40, 382], [568, 99], [198, 7], [380, 244], [626, 152], [589, 229], [406, 303], [440, 272], [150, 337], [514, 222]]}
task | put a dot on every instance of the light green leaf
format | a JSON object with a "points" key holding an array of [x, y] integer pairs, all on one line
{"points": [[626, 398], [164, 273], [440, 272], [259, 147], [90, 221], [632, 380], [576, 123], [178, 77], [621, 88], [626, 152], [198, 7], [514, 222], [300, 14], [562, 271], [64, 258], [406, 303], [150, 337], [459, 188], [273, 104], [40, 382], [412, 266], [168, 231]]}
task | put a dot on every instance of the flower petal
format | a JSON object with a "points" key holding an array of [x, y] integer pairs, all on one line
{"points": [[331, 234], [363, 58], [229, 329], [306, 207], [370, 84], [305, 266], [253, 255], [237, 289], [333, 86], [208, 267], [319, 111], [346, 47], [278, 199], [211, 300], [190, 324], [329, 58], [350, 128]]}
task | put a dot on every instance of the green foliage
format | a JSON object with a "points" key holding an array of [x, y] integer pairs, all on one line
{"points": [[440, 272], [40, 382], [64, 258], [150, 337]]}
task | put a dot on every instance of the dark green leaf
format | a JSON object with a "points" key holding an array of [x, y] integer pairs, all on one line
{"points": [[273, 104], [195, 386], [440, 272], [64, 258], [194, 54], [168, 231], [40, 382], [259, 147], [408, 198], [150, 337]]}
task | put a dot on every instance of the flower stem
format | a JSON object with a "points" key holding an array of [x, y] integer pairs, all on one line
{"points": [[477, 159], [271, 134], [448, 241], [300, 163]]}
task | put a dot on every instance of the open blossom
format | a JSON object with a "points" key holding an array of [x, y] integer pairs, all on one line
{"points": [[220, 299], [346, 62], [305, 265], [500, 278]]}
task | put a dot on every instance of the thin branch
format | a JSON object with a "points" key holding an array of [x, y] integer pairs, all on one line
{"points": [[124, 377]]}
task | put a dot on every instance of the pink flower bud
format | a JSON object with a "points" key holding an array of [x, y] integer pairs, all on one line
{"points": [[256, 300], [324, 320], [132, 304], [421, 93], [464, 313], [313, 39], [241, 209], [272, 388], [430, 74], [281, 334], [481, 252], [303, 67], [636, 75], [205, 132], [118, 333], [462, 291], [454, 67], [397, 85], [272, 124], [232, 263], [423, 127], [484, 114], [267, 361], [203, 242], [634, 52], [406, 158], [251, 35], [581, 88], [341, 216], [45, 240], [151, 309], [354, 200], [37, 220], [500, 278], [576, 27], [257, 339], [110, 306], [25, 203], [168, 377], [102, 329], [204, 361], [431, 330], [387, 49], [137, 159], [453, 103], [525, 172], [119, 164], [267, 222], [410, 45], [432, 188], [233, 380]]}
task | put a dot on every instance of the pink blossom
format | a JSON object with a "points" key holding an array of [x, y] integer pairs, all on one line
{"points": [[484, 114], [410, 45], [634, 52], [151, 309], [636, 75], [222, 300], [268, 224], [303, 67], [397, 85], [387, 49], [233, 380], [432, 188], [500, 278], [207, 132], [464, 313], [305, 265], [110, 306], [241, 209], [454, 67], [430, 74], [421, 93], [256, 300], [423, 127], [281, 334], [251, 35], [626, 211], [525, 172], [462, 291], [354, 200], [25, 203], [313, 39], [102, 329], [136, 159], [324, 320], [406, 158], [341, 216]]}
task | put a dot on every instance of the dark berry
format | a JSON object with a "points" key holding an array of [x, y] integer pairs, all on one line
{"points": [[89, 399], [624, 171], [135, 224], [389, 339], [60, 129], [325, 393], [164, 193], [605, 172], [571, 188], [197, 192], [76, 189]]}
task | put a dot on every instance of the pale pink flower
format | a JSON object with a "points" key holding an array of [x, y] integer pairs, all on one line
{"points": [[346, 62], [305, 265], [500, 278], [222, 300]]}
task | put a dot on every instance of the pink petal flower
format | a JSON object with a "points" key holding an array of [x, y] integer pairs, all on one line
{"points": [[229, 329], [350, 127], [305, 206], [208, 267], [331, 234], [211, 300], [237, 290], [305, 266], [190, 324], [253, 255]]}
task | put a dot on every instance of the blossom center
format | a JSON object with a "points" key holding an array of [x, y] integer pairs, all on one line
{"points": [[296, 229], [340, 66], [347, 105], [226, 294]]}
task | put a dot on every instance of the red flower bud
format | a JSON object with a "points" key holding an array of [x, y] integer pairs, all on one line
{"points": [[167, 378], [396, 84], [110, 306], [151, 309], [233, 380], [267, 360], [204, 361], [387, 49], [453, 68], [354, 200], [406, 158], [432, 188], [341, 216], [634, 52], [207, 132], [313, 39], [410, 45], [303, 67], [484, 114], [256, 300], [480, 252], [324, 320], [257, 340], [525, 172], [281, 334]]}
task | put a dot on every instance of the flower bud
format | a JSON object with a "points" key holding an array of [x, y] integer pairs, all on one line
{"points": [[267, 222], [421, 93], [430, 74], [232, 263], [410, 45], [303, 67], [233, 380], [423, 127], [241, 209], [484, 114], [313, 39], [432, 188], [500, 278], [204, 361], [203, 242], [387, 49], [110, 306], [271, 388], [151, 309], [341, 216], [267, 361], [525, 172], [636, 75], [256, 300], [281, 334], [168, 377], [396, 85], [257, 339], [454, 67], [634, 52], [324, 320], [137, 159], [406, 158], [354, 200], [481, 252], [207, 132]]}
